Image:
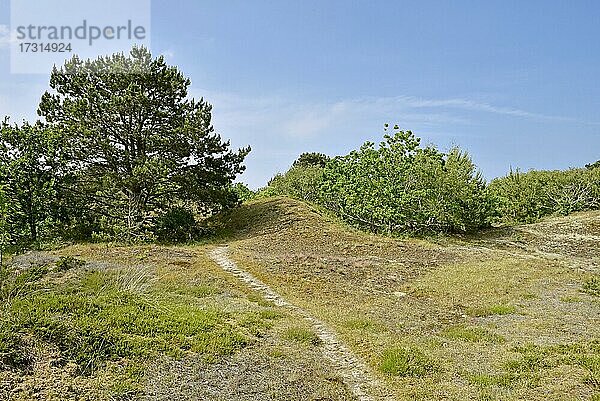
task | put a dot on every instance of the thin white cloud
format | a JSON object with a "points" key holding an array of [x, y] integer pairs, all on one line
{"points": [[280, 128], [471, 105], [309, 119]]}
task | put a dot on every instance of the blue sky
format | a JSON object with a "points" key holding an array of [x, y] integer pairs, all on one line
{"points": [[513, 82]]}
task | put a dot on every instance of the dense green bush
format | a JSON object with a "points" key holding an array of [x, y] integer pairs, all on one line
{"points": [[526, 197], [177, 225], [403, 187], [242, 192], [300, 182]]}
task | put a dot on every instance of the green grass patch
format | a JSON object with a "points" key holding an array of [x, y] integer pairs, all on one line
{"points": [[498, 309], [570, 299], [92, 320], [535, 362], [406, 362], [471, 334], [302, 335], [257, 323], [508, 380], [592, 286], [359, 324]]}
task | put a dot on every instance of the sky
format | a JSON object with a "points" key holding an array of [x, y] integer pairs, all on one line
{"points": [[515, 83]]}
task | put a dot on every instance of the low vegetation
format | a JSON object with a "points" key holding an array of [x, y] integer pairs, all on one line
{"points": [[405, 362], [403, 188], [111, 319], [482, 318], [120, 161]]}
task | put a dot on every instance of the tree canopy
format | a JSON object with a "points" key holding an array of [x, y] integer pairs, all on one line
{"points": [[137, 144]]}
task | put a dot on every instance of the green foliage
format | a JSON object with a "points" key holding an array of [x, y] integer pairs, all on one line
{"points": [[402, 187], [65, 263], [526, 197], [592, 166], [299, 182], [135, 143], [311, 159], [302, 335], [242, 192], [471, 334], [14, 353], [177, 225], [592, 286], [4, 230], [406, 362], [490, 310], [94, 319], [20, 283], [31, 174]]}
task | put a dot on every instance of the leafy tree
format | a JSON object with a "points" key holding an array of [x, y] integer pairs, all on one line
{"points": [[592, 166], [242, 192], [402, 187], [29, 171], [138, 144], [311, 159], [300, 182]]}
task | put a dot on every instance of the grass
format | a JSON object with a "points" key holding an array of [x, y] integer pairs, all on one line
{"points": [[92, 320], [536, 362], [117, 319], [360, 324], [592, 286], [469, 304], [479, 319], [406, 362], [302, 335], [491, 310], [471, 334]]}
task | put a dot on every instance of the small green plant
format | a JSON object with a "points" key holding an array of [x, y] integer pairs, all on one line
{"points": [[592, 286], [14, 353], [406, 362], [488, 380], [570, 299], [65, 263], [302, 335], [359, 324], [257, 323], [18, 284], [500, 309], [472, 334]]}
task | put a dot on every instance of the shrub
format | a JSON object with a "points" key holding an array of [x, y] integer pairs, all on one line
{"points": [[403, 187], [302, 335], [299, 182], [526, 197], [176, 225], [14, 353], [65, 263], [242, 192], [592, 286]]}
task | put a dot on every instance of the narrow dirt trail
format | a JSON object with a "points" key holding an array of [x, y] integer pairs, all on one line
{"points": [[354, 371]]}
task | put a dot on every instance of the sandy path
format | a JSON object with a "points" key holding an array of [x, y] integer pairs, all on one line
{"points": [[354, 371]]}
